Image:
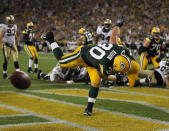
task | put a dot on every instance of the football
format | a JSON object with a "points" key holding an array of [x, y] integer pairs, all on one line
{"points": [[20, 80]]}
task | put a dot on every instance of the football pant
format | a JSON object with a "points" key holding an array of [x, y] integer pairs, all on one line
{"points": [[133, 73], [31, 51], [74, 59], [7, 51], [144, 61]]}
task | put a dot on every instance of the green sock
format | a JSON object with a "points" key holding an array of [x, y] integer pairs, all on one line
{"points": [[93, 92]]}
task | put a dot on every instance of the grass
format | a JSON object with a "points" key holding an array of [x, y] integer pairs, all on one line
{"points": [[46, 63]]}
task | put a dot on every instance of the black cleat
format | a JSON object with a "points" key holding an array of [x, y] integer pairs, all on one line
{"points": [[36, 70], [87, 112], [39, 72], [30, 70], [5, 76]]}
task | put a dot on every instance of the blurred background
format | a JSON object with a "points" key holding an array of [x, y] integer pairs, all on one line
{"points": [[68, 16]]}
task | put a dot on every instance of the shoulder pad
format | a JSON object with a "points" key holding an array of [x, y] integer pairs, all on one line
{"points": [[99, 30]]}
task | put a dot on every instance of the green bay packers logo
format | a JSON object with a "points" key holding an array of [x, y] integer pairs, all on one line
{"points": [[122, 65]]}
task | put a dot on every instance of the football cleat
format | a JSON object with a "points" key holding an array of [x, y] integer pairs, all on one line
{"points": [[36, 70], [30, 70], [5, 76], [87, 112]]}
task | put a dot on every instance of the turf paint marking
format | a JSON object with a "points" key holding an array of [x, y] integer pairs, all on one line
{"points": [[132, 101], [102, 110], [53, 120]]}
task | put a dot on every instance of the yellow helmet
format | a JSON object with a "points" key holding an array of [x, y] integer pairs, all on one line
{"points": [[30, 25], [81, 31], [121, 64], [10, 19], [155, 30]]}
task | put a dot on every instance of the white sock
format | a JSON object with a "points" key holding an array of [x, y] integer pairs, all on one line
{"points": [[18, 69], [93, 100], [30, 62], [36, 66], [5, 72]]}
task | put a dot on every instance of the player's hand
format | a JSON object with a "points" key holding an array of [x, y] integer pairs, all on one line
{"points": [[49, 37], [120, 22]]}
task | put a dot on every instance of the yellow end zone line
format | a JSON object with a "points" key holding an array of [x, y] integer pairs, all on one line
{"points": [[140, 122]]}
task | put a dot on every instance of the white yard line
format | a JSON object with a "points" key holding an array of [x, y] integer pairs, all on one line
{"points": [[102, 110], [134, 93], [51, 119], [1, 116], [132, 101]]}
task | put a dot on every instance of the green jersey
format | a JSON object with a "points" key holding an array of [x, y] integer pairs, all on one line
{"points": [[101, 56]]}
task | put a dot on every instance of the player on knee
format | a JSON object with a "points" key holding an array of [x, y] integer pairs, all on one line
{"points": [[8, 37], [29, 46]]}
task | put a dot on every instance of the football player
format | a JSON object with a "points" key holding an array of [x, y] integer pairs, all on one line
{"points": [[104, 32], [152, 49], [101, 61], [85, 37], [157, 76], [8, 38], [29, 46], [58, 75]]}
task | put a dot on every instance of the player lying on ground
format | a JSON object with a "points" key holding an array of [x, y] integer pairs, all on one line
{"points": [[101, 61], [65, 75], [156, 77]]}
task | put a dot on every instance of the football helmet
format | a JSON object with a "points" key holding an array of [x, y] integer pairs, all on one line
{"points": [[10, 20], [107, 24], [81, 31], [30, 26], [121, 64], [156, 32]]}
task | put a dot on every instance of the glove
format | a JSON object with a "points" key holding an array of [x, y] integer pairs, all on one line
{"points": [[120, 22], [49, 37]]}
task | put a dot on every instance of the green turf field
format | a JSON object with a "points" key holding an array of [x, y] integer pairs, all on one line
{"points": [[50, 106]]}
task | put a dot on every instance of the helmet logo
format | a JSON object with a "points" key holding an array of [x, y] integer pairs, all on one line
{"points": [[122, 65]]}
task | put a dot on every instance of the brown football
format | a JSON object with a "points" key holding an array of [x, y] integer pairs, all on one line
{"points": [[20, 80]]}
